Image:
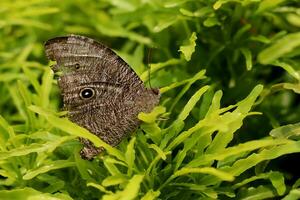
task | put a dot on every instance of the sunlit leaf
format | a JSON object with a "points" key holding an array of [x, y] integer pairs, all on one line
{"points": [[189, 48]]}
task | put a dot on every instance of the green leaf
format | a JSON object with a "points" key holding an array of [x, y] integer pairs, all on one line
{"points": [[158, 66], [294, 194], [287, 68], [31, 194], [151, 195], [245, 105], [159, 151], [111, 167], [254, 178], [99, 187], [189, 48], [130, 192], [205, 170], [215, 103], [23, 56], [9, 177], [291, 86], [173, 3], [191, 103], [267, 154], [8, 129], [152, 116], [200, 75], [281, 47], [38, 11], [248, 57], [236, 150], [55, 184], [46, 87], [186, 12], [231, 121], [113, 28], [211, 21], [153, 132], [296, 184], [124, 5], [58, 164], [27, 98], [219, 3], [164, 23], [130, 156], [177, 84], [6, 77], [171, 132], [237, 37], [114, 180], [34, 148], [286, 131], [261, 192], [198, 13], [268, 4], [277, 180], [293, 19], [260, 38], [32, 77]]}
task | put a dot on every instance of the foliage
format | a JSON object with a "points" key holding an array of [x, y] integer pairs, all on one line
{"points": [[199, 143]]}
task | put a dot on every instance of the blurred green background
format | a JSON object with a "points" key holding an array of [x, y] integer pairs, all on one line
{"points": [[240, 44]]}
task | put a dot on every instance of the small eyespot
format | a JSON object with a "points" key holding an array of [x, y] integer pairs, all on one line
{"points": [[77, 66], [87, 93]]}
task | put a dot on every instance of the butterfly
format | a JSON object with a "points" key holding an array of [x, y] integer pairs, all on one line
{"points": [[99, 89]]}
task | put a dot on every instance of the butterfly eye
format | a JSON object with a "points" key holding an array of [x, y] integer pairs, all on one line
{"points": [[87, 93]]}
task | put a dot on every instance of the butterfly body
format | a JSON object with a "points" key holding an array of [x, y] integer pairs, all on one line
{"points": [[100, 91]]}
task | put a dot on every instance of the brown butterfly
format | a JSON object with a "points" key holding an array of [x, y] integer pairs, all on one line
{"points": [[99, 89]]}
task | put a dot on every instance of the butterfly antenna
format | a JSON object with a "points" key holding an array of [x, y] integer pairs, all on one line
{"points": [[149, 68]]}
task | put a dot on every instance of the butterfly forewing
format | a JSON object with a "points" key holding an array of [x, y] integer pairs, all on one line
{"points": [[75, 52]]}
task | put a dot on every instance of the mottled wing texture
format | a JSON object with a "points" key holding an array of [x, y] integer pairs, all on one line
{"points": [[120, 94]]}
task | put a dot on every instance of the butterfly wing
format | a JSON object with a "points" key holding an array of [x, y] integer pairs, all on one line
{"points": [[79, 54], [116, 95]]}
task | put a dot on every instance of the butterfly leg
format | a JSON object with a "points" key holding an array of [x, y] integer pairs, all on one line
{"points": [[89, 151]]}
